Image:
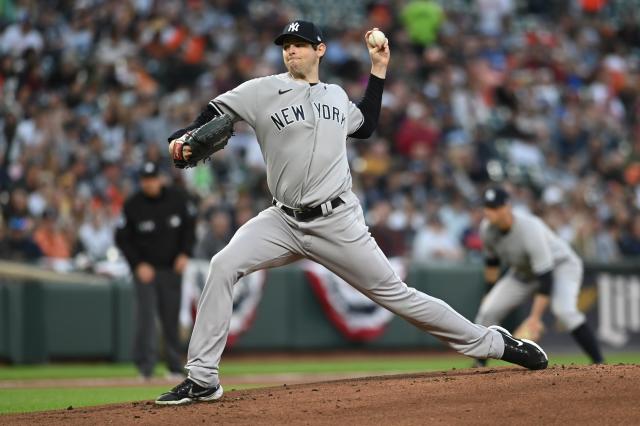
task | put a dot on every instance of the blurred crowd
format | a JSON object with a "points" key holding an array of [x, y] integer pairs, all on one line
{"points": [[541, 95]]}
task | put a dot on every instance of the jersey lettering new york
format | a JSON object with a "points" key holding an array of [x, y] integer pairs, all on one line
{"points": [[287, 116], [292, 114], [302, 131], [328, 112]]}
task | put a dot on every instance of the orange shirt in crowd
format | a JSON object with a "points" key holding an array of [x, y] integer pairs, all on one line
{"points": [[52, 243], [593, 6]]}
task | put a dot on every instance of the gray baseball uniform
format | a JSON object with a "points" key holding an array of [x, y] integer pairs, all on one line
{"points": [[302, 130], [531, 248]]}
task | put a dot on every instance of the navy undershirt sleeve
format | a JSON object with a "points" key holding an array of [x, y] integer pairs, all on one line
{"points": [[492, 261], [207, 114], [545, 280], [369, 105]]}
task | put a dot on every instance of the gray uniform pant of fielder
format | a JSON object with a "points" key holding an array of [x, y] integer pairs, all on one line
{"points": [[509, 292], [340, 242]]}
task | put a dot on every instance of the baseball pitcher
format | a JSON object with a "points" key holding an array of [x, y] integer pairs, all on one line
{"points": [[302, 125]]}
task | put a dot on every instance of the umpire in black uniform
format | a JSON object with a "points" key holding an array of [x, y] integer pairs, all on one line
{"points": [[157, 235]]}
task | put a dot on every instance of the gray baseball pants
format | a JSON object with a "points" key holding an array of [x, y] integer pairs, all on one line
{"points": [[509, 292], [340, 242]]}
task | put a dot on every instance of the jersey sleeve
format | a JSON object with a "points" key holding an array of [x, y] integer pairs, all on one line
{"points": [[241, 101], [355, 118], [538, 249]]}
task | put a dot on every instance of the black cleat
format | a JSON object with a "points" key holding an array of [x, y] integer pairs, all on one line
{"points": [[522, 351], [187, 392]]}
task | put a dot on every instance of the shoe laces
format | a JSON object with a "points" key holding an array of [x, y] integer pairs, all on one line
{"points": [[513, 342], [183, 387], [524, 349]]}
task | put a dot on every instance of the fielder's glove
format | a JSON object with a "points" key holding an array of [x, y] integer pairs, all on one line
{"points": [[531, 330], [204, 141]]}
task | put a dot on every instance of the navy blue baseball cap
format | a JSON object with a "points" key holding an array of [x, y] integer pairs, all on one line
{"points": [[149, 169], [308, 31], [494, 197]]}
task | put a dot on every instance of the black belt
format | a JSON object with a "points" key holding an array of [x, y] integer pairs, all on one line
{"points": [[307, 214]]}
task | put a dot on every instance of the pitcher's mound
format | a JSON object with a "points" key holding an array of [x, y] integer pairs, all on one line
{"points": [[585, 395]]}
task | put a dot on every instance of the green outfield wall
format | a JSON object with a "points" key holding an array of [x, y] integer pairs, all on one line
{"points": [[46, 316]]}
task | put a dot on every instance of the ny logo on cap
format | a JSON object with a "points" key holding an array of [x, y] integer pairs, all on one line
{"points": [[294, 26], [490, 195]]}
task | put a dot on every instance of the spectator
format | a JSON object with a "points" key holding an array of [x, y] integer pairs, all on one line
{"points": [[455, 216], [606, 248], [18, 245], [417, 130], [422, 20], [21, 36], [96, 234], [391, 241], [216, 236], [51, 239], [113, 48], [433, 243], [630, 241], [492, 14], [18, 206], [471, 240]]}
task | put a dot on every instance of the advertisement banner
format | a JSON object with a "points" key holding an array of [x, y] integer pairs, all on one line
{"points": [[610, 298]]}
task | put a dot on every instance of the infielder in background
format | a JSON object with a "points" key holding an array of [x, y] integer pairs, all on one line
{"points": [[302, 125], [539, 262]]}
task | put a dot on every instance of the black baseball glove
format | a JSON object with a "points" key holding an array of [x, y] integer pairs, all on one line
{"points": [[204, 141]]}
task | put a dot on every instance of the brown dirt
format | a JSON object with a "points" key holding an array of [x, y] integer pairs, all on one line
{"points": [[585, 395]]}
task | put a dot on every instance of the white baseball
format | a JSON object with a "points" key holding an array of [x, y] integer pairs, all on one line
{"points": [[377, 38]]}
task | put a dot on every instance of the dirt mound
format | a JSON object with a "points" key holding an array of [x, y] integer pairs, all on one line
{"points": [[606, 394]]}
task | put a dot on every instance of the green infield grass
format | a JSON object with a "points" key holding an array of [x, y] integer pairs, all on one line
{"points": [[40, 399]]}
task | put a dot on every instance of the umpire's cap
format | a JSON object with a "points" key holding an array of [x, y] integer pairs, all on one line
{"points": [[494, 197], [305, 30], [149, 169]]}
